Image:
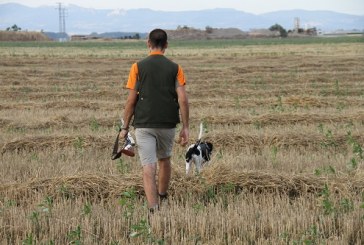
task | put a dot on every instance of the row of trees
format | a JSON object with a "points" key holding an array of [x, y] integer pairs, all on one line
{"points": [[276, 27], [284, 33], [135, 36], [13, 28]]}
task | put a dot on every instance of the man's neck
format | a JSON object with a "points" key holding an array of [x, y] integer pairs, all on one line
{"points": [[157, 50]]}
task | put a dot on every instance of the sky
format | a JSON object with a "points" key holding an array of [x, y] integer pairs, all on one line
{"points": [[250, 6]]}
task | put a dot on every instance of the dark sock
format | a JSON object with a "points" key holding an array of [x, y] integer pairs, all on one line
{"points": [[153, 209], [163, 197]]}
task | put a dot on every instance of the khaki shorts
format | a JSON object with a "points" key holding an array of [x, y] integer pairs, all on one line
{"points": [[154, 143]]}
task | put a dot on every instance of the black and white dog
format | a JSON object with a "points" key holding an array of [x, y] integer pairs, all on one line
{"points": [[198, 153]]}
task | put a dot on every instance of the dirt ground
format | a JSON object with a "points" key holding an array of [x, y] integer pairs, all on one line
{"points": [[286, 121]]}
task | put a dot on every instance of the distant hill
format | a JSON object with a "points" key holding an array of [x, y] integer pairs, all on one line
{"points": [[85, 20], [107, 35]]}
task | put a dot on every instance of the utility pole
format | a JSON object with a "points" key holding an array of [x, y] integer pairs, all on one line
{"points": [[62, 21], [62, 18], [296, 24]]}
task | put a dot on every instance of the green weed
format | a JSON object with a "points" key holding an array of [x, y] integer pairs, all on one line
{"points": [[327, 204], [357, 149], [329, 140], [87, 209], [65, 192], [79, 143], [143, 229], [122, 167], [258, 125], [47, 205], [29, 240], [352, 165], [94, 125], [311, 236], [198, 207], [325, 170], [345, 205], [127, 200], [34, 157], [75, 236], [36, 227], [279, 105]]}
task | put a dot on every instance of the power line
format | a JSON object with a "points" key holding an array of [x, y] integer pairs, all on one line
{"points": [[62, 18], [297, 24]]}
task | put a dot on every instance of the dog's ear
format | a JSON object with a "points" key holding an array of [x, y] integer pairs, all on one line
{"points": [[189, 152], [209, 145]]}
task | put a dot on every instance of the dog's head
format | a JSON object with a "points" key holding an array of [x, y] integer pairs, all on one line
{"points": [[192, 150]]}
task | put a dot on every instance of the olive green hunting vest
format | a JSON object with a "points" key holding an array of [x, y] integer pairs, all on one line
{"points": [[157, 105]]}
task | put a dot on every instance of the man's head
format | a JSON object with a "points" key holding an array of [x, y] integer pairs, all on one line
{"points": [[158, 39]]}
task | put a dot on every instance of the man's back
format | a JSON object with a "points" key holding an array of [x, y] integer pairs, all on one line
{"points": [[157, 105]]}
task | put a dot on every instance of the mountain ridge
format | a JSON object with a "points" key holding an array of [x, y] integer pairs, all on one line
{"points": [[82, 20]]}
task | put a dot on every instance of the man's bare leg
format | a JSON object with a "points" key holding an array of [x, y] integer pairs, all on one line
{"points": [[164, 175], [150, 187]]}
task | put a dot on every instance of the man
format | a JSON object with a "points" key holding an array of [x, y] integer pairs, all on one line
{"points": [[156, 95]]}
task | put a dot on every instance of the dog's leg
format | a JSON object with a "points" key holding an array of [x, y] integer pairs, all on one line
{"points": [[198, 164], [188, 166]]}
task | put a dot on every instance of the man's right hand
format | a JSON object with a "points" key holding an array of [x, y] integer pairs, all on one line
{"points": [[123, 134], [183, 137]]}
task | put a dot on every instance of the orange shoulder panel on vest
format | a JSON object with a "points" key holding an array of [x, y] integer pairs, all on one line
{"points": [[181, 76], [133, 76]]}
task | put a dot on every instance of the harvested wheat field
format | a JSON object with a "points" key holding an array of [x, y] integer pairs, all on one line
{"points": [[286, 118]]}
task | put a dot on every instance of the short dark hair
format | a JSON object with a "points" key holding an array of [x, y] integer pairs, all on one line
{"points": [[158, 38]]}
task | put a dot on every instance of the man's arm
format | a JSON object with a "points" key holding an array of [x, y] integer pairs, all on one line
{"points": [[129, 111], [184, 108]]}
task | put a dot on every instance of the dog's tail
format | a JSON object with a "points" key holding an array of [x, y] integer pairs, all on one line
{"points": [[201, 130]]}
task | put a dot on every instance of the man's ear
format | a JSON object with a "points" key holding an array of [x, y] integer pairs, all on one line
{"points": [[166, 46], [149, 44]]}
